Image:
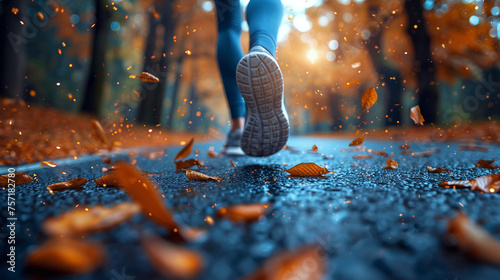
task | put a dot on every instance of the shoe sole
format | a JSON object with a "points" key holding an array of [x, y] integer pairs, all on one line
{"points": [[260, 82]]}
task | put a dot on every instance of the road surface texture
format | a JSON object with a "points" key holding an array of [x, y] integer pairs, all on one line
{"points": [[373, 223]]}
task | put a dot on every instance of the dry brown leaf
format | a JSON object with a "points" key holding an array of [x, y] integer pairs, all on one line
{"points": [[82, 220], [198, 176], [488, 164], [40, 16], [243, 212], [106, 160], [19, 178], [473, 148], [437, 169], [422, 154], [381, 153], [148, 78], [362, 156], [185, 151], [66, 256], [315, 148], [232, 164], [369, 98], [486, 184], [172, 261], [305, 263], [48, 163], [391, 164], [212, 154], [358, 141], [185, 164], [474, 240], [71, 184], [108, 180], [307, 169], [416, 116], [97, 132]]}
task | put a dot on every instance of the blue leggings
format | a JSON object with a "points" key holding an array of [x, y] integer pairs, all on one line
{"points": [[264, 19]]}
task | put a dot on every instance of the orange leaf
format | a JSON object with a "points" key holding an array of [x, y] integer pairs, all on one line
{"points": [[71, 184], [66, 256], [108, 180], [19, 178], [416, 116], [474, 240], [97, 132], [40, 16], [487, 184], [198, 176], [351, 83], [148, 78], [185, 151], [232, 163], [381, 153], [243, 212], [48, 163], [431, 169], [307, 169], [488, 164], [172, 261], [391, 164], [185, 164], [422, 154], [81, 221], [212, 154], [315, 148], [369, 98], [358, 141]]}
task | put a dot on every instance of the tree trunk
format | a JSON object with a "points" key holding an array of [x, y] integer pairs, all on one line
{"points": [[424, 69], [94, 91], [13, 49]]}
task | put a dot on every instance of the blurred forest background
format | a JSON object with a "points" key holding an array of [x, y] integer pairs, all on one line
{"points": [[79, 55]]}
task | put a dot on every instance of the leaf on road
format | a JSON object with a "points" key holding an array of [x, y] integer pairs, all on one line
{"points": [[108, 180], [198, 176], [422, 154], [362, 156], [71, 184], [243, 212], [148, 78], [305, 263], [381, 153], [314, 148], [171, 260], [66, 256], [416, 116], [185, 151], [185, 164], [488, 164], [97, 132], [19, 178], [487, 184], [391, 164], [358, 141], [307, 169], [48, 163], [473, 240], [232, 164], [431, 169], [82, 220], [213, 154], [369, 98]]}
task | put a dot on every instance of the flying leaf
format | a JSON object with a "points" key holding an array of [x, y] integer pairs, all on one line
{"points": [[362, 156], [315, 148], [416, 116], [212, 154], [185, 151], [108, 180], [391, 164], [486, 184], [71, 184], [488, 164], [82, 220], [97, 132], [431, 169], [172, 261], [66, 256], [198, 176], [369, 98], [381, 153], [473, 240], [185, 164], [351, 83], [358, 141], [307, 169], [48, 163], [243, 212], [19, 178], [301, 263], [40, 16], [232, 164], [148, 78]]}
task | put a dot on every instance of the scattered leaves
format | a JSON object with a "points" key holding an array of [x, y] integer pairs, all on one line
{"points": [[431, 169], [307, 169], [358, 141], [416, 116], [97, 132], [314, 148], [185, 151], [391, 164], [369, 98], [71, 184], [243, 212], [148, 78], [198, 176], [19, 178], [488, 164], [487, 184]]}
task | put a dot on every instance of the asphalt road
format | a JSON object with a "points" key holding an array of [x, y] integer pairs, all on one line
{"points": [[374, 223]]}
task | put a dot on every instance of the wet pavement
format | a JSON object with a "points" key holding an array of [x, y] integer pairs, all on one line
{"points": [[373, 223]]}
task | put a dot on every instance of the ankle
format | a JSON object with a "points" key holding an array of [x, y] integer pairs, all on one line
{"points": [[259, 48], [238, 123]]}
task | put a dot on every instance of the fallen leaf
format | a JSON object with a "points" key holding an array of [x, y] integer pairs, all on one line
{"points": [[315, 148], [243, 212], [416, 116], [171, 260], [381, 153], [19, 178], [185, 151], [212, 154], [369, 98], [391, 164], [474, 240], [307, 169], [305, 263], [422, 154], [473, 148], [66, 256], [486, 184], [437, 169], [488, 164], [198, 176], [232, 164], [82, 220], [97, 132], [48, 163], [71, 184], [185, 164], [362, 156], [358, 141], [148, 78], [106, 160], [108, 180]]}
